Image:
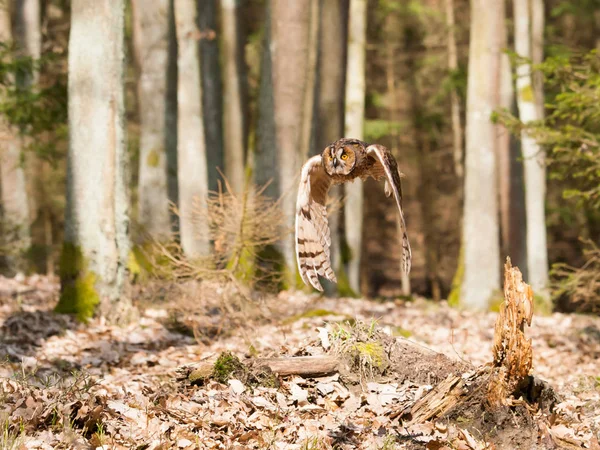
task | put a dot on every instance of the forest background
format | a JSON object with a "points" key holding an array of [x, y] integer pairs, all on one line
{"points": [[165, 138]]}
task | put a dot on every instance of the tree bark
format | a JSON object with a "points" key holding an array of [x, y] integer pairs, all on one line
{"points": [[13, 188], [212, 95], [265, 158], [391, 27], [510, 179], [192, 170], [96, 248], [533, 157], [292, 72], [457, 136], [157, 136], [354, 124], [480, 224], [234, 95], [537, 52], [331, 87]]}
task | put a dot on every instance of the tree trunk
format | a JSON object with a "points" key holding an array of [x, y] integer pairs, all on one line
{"points": [[293, 81], [15, 217], [234, 95], [457, 137], [94, 258], [212, 105], [533, 156], [354, 123], [392, 25], [510, 179], [332, 74], [157, 137], [424, 141], [265, 156], [537, 52], [191, 148], [28, 34], [480, 223]]}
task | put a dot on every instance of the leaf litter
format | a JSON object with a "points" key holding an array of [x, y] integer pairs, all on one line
{"points": [[64, 385]]}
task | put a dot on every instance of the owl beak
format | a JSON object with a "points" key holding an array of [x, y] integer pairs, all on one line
{"points": [[335, 162]]}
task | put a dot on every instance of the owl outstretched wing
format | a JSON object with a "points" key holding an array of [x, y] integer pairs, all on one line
{"points": [[389, 165], [313, 237]]}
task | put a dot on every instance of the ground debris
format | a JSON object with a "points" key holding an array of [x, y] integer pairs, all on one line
{"points": [[119, 387]]}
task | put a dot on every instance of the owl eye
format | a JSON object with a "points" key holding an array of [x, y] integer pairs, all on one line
{"points": [[344, 156]]}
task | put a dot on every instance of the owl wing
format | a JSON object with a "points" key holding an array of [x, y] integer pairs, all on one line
{"points": [[390, 167], [313, 237]]}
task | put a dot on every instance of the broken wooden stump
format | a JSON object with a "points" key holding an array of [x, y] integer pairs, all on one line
{"points": [[513, 357], [506, 380]]}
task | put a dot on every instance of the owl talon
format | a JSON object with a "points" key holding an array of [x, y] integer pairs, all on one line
{"points": [[387, 188]]}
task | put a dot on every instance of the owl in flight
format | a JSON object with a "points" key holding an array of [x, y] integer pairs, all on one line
{"points": [[342, 161]]}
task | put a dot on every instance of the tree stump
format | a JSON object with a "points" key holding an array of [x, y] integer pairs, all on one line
{"points": [[512, 350]]}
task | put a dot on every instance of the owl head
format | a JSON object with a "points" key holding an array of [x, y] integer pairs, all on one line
{"points": [[340, 157]]}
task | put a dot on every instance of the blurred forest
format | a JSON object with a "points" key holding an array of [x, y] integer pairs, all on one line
{"points": [[165, 138]]}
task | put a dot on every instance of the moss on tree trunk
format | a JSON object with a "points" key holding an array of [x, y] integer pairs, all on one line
{"points": [[78, 295]]}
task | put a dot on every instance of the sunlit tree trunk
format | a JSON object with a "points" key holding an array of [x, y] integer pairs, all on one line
{"points": [[354, 123], [212, 94], [480, 224], [96, 248], [192, 171], [14, 199], [157, 136], [330, 117], [234, 94], [533, 156], [457, 136], [293, 79]]}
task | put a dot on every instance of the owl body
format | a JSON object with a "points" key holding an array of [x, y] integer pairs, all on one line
{"points": [[341, 162]]}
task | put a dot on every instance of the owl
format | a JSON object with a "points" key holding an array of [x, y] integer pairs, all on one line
{"points": [[342, 161]]}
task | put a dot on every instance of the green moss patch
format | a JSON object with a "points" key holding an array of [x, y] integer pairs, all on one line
{"points": [[153, 158], [454, 296], [227, 366], [312, 313], [399, 331], [79, 295], [371, 354], [343, 284]]}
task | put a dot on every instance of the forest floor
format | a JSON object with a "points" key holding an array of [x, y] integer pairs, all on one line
{"points": [[64, 385]]}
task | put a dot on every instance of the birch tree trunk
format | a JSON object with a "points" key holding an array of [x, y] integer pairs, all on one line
{"points": [[480, 223], [157, 137], [457, 136], [354, 123], [331, 87], [234, 95], [192, 173], [95, 252], [292, 73], [16, 236], [533, 157], [212, 101]]}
